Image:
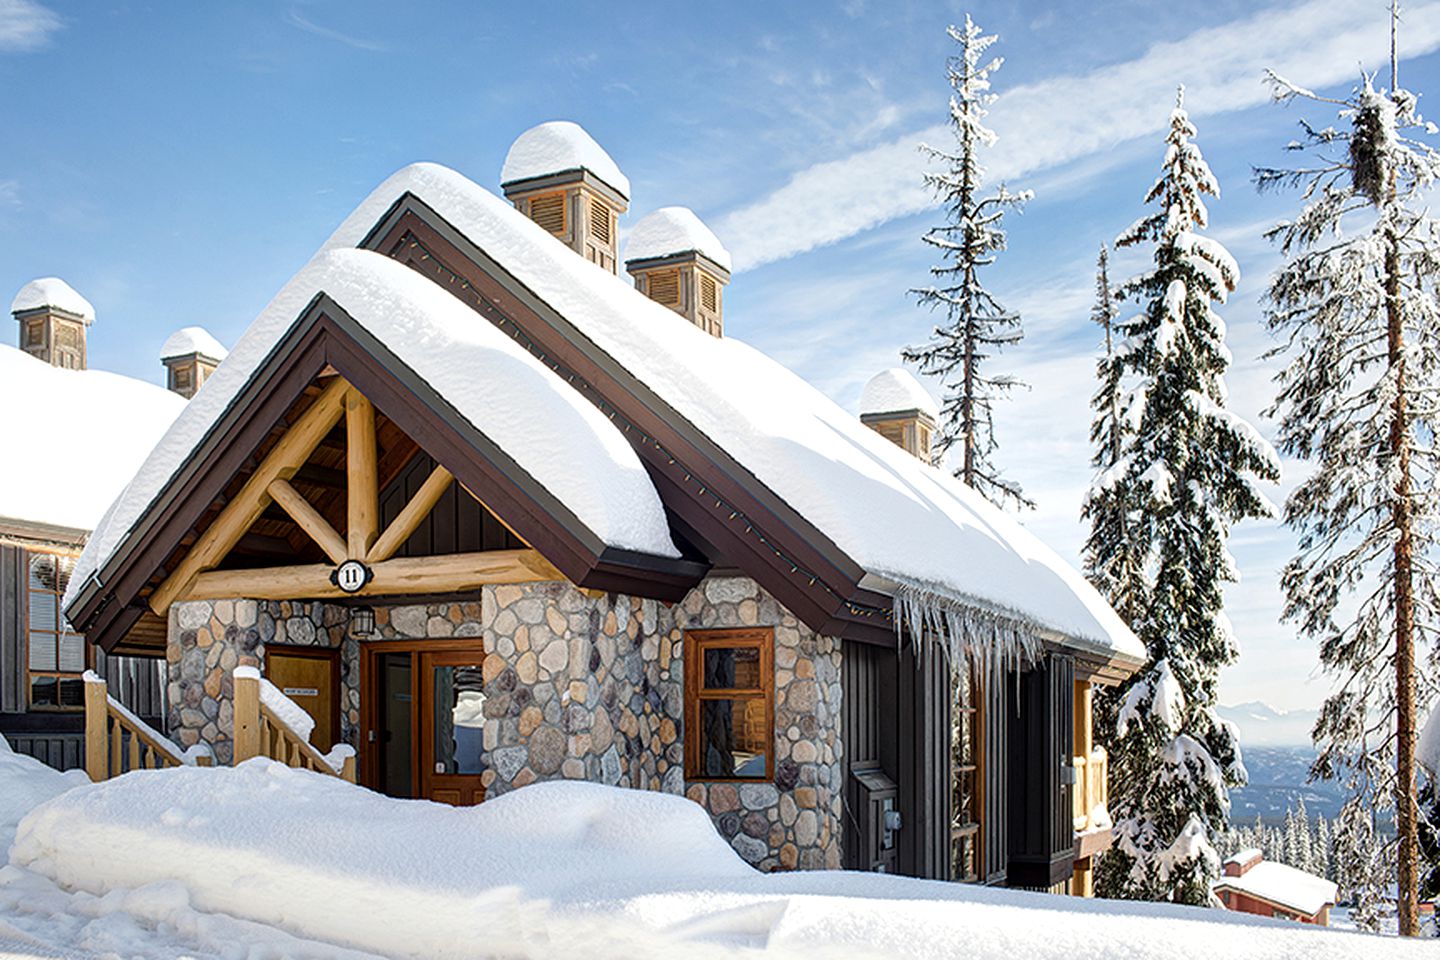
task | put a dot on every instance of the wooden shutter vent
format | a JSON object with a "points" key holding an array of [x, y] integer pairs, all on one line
{"points": [[709, 294], [549, 212], [600, 221], [664, 287]]}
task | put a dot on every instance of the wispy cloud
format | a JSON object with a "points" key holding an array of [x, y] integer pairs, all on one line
{"points": [[1050, 123], [25, 25], [295, 19], [9, 193]]}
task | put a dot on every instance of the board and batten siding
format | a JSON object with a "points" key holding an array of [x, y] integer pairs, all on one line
{"points": [[1042, 833], [13, 570]]}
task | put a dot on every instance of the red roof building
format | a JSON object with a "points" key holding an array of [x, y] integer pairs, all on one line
{"points": [[1250, 884]]}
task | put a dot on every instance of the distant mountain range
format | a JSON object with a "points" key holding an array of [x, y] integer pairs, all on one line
{"points": [[1261, 725]]}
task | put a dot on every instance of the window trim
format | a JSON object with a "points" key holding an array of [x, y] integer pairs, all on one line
{"points": [[696, 643], [62, 630], [974, 828]]}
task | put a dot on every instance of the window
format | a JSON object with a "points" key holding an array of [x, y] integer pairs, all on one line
{"points": [[729, 704], [57, 656], [548, 210], [965, 731]]}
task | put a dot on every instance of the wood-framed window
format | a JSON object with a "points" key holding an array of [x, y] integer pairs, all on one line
{"points": [[56, 655], [730, 704], [966, 735]]}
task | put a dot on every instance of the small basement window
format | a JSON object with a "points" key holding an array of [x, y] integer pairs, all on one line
{"points": [[56, 654], [729, 704]]}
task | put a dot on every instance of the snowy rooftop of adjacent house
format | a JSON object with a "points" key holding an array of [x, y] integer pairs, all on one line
{"points": [[84, 434], [556, 147], [188, 340], [895, 391], [672, 230], [1282, 884], [904, 522], [563, 441], [52, 292], [1427, 751]]}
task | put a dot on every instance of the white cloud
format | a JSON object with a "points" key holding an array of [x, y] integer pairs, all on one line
{"points": [[1046, 124], [25, 25], [359, 43]]}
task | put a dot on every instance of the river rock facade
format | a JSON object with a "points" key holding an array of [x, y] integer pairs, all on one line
{"points": [[576, 687]]}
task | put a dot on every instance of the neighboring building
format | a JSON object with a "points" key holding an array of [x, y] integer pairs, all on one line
{"points": [[73, 437], [1251, 884], [190, 355], [493, 516]]}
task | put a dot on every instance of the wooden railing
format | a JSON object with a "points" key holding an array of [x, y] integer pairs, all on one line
{"points": [[117, 741], [260, 731], [1090, 791]]}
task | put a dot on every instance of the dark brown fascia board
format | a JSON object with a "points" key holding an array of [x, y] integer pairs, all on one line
{"points": [[677, 259], [564, 178], [327, 336], [702, 456]]}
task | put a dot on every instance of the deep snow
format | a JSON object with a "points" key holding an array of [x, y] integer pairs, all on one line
{"points": [[672, 230], [266, 860]]}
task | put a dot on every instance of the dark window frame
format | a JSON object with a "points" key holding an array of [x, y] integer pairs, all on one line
{"points": [[60, 632]]}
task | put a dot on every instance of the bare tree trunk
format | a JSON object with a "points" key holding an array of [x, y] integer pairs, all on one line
{"points": [[1407, 905]]}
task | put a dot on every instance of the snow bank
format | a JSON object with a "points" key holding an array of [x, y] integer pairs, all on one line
{"points": [[26, 783], [52, 292], [855, 486], [554, 869], [554, 434], [556, 147], [70, 463], [672, 230], [188, 340], [894, 391]]}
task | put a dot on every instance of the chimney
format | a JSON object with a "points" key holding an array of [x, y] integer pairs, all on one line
{"points": [[54, 320], [896, 406], [677, 261], [190, 355], [1239, 864], [558, 176]]}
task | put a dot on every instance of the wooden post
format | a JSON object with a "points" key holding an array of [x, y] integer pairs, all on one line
{"points": [[97, 760], [247, 717], [363, 494], [347, 769]]}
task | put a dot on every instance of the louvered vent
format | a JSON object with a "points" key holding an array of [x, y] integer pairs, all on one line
{"points": [[549, 212], [663, 286], [600, 221], [709, 294]]}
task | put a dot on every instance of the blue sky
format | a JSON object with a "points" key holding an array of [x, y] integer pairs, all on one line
{"points": [[176, 162]]}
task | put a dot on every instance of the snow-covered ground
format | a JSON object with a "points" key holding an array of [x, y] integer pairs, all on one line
{"points": [[265, 861]]}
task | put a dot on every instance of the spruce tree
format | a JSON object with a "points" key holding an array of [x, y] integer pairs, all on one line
{"points": [[1191, 466], [976, 324], [1354, 307]]}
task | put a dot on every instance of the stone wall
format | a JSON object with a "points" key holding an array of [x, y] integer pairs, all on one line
{"points": [[575, 687]]}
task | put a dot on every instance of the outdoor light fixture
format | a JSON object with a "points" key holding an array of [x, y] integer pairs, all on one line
{"points": [[362, 621]]}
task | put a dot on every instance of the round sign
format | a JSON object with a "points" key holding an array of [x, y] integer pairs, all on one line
{"points": [[351, 576]]}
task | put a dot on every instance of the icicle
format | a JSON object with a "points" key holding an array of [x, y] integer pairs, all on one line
{"points": [[968, 634]]}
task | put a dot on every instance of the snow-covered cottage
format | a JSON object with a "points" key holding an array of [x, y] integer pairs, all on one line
{"points": [[73, 436], [1251, 884], [492, 514]]}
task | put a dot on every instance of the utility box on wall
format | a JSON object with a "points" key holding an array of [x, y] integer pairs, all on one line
{"points": [[875, 803]]}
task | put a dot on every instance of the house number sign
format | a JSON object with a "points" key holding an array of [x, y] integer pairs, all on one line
{"points": [[351, 576]]}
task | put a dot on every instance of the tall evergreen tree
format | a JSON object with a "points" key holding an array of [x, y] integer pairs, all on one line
{"points": [[1355, 309], [1191, 466], [1114, 559], [976, 325]]}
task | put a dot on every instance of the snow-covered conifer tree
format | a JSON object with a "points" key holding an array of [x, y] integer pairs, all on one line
{"points": [[1191, 465], [1114, 558], [976, 324], [1355, 310]]}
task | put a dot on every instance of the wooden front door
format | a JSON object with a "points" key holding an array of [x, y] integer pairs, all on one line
{"points": [[311, 677], [422, 709]]}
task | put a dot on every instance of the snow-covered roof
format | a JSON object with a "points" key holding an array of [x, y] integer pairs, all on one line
{"points": [[559, 146], [52, 292], [1284, 885], [904, 522], [75, 437], [188, 340], [895, 391], [1427, 751], [563, 441], [672, 230]]}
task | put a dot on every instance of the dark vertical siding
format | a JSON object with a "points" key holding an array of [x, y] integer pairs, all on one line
{"points": [[457, 524], [137, 682], [924, 749], [860, 708], [63, 751], [1042, 837], [12, 629], [999, 703]]}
